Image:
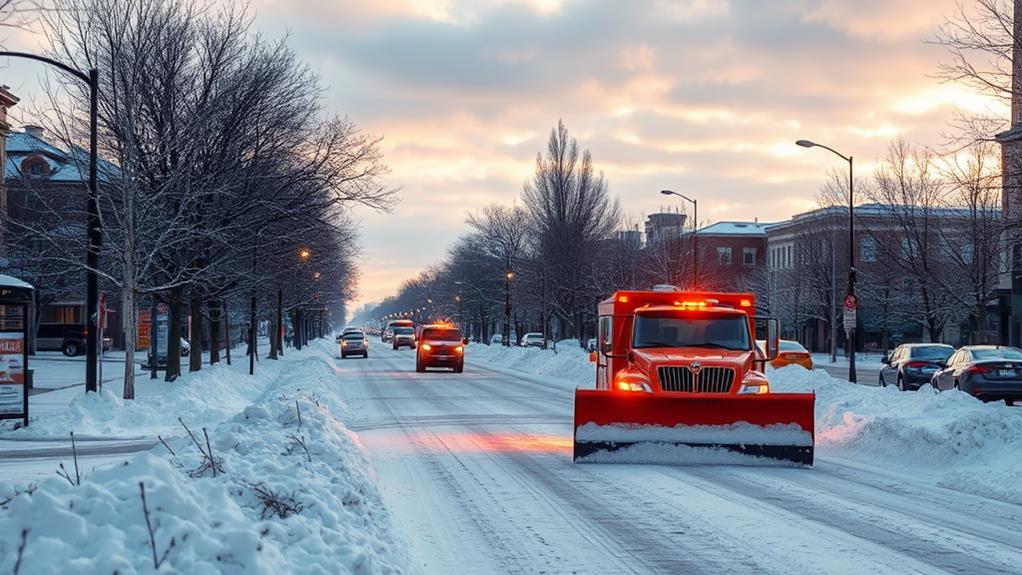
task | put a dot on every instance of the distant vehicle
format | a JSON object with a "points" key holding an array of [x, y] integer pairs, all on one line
{"points": [[388, 330], [441, 346], [354, 343], [792, 353], [186, 348], [404, 336], [68, 338], [912, 365], [591, 345], [532, 340], [987, 372], [352, 329], [496, 339]]}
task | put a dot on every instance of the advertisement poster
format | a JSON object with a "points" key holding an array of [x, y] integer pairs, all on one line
{"points": [[162, 329], [145, 326], [12, 373]]}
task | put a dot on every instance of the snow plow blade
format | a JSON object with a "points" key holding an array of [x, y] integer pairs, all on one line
{"points": [[774, 425]]}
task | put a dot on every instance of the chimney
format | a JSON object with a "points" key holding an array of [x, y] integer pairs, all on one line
{"points": [[33, 130]]}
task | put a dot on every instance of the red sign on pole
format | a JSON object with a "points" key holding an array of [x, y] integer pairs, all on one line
{"points": [[851, 302]]}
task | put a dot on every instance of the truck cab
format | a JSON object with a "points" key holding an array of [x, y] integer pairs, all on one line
{"points": [[667, 341]]}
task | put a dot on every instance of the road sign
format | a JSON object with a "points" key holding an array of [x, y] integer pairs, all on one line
{"points": [[851, 302], [849, 319]]}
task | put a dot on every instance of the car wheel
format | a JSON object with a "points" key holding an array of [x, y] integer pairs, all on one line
{"points": [[418, 366], [882, 383], [901, 384], [394, 346], [459, 368], [71, 349], [1010, 402], [365, 355]]}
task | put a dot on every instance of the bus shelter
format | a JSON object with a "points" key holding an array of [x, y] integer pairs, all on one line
{"points": [[15, 301]]}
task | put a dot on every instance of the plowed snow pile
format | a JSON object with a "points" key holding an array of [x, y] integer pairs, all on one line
{"points": [[951, 438], [281, 487], [570, 364]]}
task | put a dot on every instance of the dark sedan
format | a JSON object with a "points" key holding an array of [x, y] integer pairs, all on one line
{"points": [[988, 372], [911, 365]]}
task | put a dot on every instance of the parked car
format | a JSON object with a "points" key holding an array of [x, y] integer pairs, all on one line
{"points": [[988, 372], [68, 338], [792, 353], [532, 340], [496, 339], [912, 365], [186, 347], [354, 343]]}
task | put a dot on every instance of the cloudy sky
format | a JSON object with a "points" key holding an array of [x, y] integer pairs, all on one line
{"points": [[702, 96]]}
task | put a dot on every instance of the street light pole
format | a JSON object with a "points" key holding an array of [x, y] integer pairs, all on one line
{"points": [[695, 233], [851, 246], [94, 231], [507, 308]]}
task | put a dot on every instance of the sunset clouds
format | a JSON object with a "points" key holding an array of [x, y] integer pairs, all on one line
{"points": [[705, 96]]}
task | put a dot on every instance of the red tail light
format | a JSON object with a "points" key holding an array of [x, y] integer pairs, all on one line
{"points": [[917, 364], [980, 369]]}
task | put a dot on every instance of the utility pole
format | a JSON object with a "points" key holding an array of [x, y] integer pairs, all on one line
{"points": [[507, 308]]}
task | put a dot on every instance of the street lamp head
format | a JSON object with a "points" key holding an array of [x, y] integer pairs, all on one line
{"points": [[667, 192], [805, 144], [510, 275], [305, 254]]}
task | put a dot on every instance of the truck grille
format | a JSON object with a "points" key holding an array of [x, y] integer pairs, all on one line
{"points": [[708, 379]]}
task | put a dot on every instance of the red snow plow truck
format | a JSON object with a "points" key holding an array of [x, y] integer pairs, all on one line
{"points": [[680, 370]]}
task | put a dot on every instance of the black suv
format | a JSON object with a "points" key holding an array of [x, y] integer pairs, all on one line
{"points": [[66, 337]]}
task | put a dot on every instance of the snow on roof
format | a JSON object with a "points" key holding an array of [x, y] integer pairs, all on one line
{"points": [[734, 229], [13, 282], [63, 166]]}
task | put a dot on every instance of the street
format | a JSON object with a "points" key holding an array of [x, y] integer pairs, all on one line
{"points": [[476, 469]]}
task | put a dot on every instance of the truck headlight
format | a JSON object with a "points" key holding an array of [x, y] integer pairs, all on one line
{"points": [[425, 347], [755, 388], [628, 382]]}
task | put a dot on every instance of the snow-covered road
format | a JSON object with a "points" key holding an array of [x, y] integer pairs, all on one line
{"points": [[477, 470]]}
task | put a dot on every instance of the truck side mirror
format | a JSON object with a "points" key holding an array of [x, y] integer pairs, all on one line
{"points": [[885, 360], [464, 341], [773, 339]]}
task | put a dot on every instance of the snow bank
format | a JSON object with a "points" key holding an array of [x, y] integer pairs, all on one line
{"points": [[950, 438], [673, 454], [207, 397], [570, 363], [291, 493]]}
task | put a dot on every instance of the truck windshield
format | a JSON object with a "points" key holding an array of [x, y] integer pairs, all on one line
{"points": [[721, 332]]}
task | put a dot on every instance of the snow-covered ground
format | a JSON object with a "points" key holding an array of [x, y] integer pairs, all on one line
{"points": [[477, 470], [280, 486]]}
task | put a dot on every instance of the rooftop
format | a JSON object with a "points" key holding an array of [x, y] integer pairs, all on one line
{"points": [[735, 229]]}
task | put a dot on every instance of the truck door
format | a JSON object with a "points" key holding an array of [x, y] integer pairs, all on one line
{"points": [[604, 346]]}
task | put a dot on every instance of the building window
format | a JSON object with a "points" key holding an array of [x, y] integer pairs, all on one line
{"points": [[724, 256], [909, 248], [868, 249], [748, 256]]}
